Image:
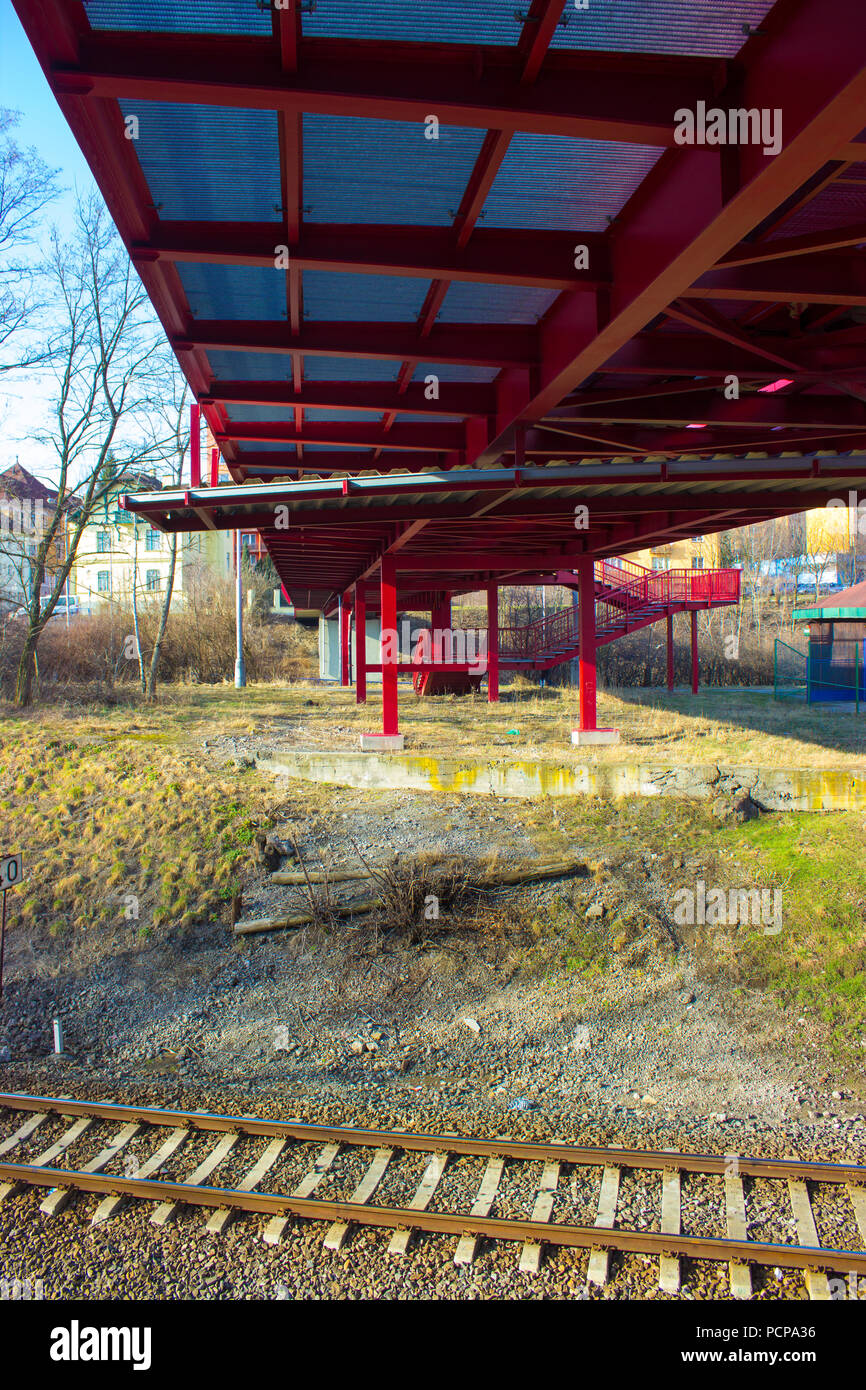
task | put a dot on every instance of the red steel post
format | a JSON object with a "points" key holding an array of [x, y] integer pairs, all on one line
{"points": [[492, 643], [345, 630], [390, 654], [214, 467], [670, 652], [440, 619], [360, 645], [194, 447], [586, 620], [694, 651]]}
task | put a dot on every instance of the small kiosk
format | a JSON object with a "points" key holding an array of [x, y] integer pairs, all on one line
{"points": [[836, 632]]}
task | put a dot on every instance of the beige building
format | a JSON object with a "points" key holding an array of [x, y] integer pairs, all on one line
{"points": [[119, 553], [696, 552]]}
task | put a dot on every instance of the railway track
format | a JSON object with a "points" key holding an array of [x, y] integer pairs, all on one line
{"points": [[308, 1157]]}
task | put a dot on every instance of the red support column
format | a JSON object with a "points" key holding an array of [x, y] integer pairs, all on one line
{"points": [[589, 731], [194, 447], [670, 653], [694, 651], [440, 621], [390, 653], [586, 620], [345, 620], [214, 467], [360, 645], [492, 643]]}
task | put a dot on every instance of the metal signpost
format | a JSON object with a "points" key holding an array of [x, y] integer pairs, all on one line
{"points": [[11, 874]]}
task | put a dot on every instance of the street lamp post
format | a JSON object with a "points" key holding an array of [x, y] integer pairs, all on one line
{"points": [[240, 668]]}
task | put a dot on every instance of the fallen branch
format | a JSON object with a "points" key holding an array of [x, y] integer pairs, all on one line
{"points": [[303, 919], [486, 879]]}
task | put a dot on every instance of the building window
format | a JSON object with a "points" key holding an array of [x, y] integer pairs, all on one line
{"points": [[103, 582], [103, 542], [698, 562], [153, 540], [152, 580], [659, 562]]}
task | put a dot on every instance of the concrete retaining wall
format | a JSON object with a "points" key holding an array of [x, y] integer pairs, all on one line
{"points": [[774, 789]]}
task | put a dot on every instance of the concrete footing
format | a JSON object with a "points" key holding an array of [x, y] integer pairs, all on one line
{"points": [[382, 743], [773, 789], [582, 738]]}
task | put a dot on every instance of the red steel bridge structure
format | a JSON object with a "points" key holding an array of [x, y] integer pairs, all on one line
{"points": [[463, 298]]}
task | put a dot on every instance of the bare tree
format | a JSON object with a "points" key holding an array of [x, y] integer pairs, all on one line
{"points": [[104, 350], [27, 187], [174, 439]]}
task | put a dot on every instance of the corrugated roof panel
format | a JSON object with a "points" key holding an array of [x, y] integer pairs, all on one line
{"points": [[712, 28], [350, 369], [234, 291], [453, 371], [554, 182], [259, 414], [404, 418], [250, 366], [208, 163], [180, 16], [329, 295], [476, 302], [359, 170], [341, 417], [338, 448], [424, 21], [254, 446]]}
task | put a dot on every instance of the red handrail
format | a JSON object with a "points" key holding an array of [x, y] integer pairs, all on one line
{"points": [[643, 593]]}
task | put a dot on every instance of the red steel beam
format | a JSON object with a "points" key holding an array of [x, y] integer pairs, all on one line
{"points": [[456, 398], [543, 259], [594, 96], [492, 345], [424, 438]]}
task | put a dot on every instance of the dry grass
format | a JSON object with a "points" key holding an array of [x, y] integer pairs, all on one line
{"points": [[734, 726], [123, 837]]}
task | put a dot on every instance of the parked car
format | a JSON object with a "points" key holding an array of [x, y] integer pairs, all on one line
{"points": [[61, 608], [66, 605]]}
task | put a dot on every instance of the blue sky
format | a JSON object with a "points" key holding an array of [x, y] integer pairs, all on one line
{"points": [[23, 88]]}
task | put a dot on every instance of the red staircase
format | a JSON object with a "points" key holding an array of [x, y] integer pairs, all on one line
{"points": [[627, 597]]}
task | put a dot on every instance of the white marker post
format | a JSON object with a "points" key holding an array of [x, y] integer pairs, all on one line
{"points": [[11, 874]]}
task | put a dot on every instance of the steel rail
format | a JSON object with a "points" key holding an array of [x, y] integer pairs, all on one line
{"points": [[446, 1223], [580, 1156]]}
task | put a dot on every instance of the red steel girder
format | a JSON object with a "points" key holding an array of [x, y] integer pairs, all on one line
{"points": [[594, 96], [543, 259], [824, 279], [427, 437], [456, 398], [494, 345], [773, 409]]}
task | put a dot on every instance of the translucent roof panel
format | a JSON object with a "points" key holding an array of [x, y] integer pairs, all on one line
{"points": [[550, 181], [712, 28], [329, 295], [208, 163], [453, 371], [359, 170], [350, 369], [234, 291], [471, 302], [341, 417], [250, 366], [180, 16], [260, 414], [424, 21]]}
